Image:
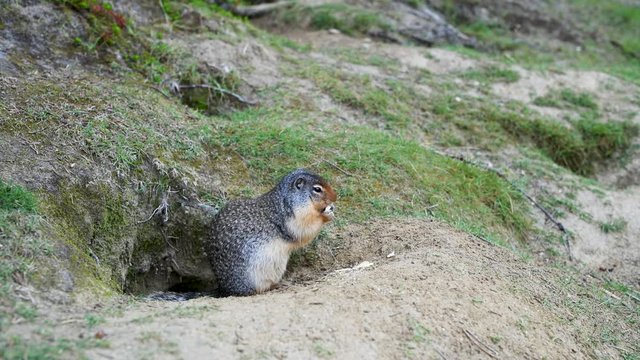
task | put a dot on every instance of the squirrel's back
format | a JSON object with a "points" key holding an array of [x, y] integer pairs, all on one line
{"points": [[250, 240]]}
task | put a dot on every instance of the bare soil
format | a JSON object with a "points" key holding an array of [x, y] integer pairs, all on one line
{"points": [[419, 289]]}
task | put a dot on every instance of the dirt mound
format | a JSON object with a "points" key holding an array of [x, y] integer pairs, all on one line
{"points": [[422, 290]]}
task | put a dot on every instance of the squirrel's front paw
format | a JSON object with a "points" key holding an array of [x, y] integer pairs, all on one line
{"points": [[328, 212]]}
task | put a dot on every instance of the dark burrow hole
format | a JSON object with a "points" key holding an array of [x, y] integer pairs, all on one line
{"points": [[192, 284], [170, 257]]}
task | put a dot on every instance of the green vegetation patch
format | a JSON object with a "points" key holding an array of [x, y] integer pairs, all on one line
{"points": [[360, 56], [16, 198], [619, 20], [567, 98], [19, 234], [351, 20], [393, 100], [607, 32], [492, 74], [613, 226], [48, 347], [173, 71], [106, 26], [494, 35], [24, 251], [579, 148], [389, 176]]}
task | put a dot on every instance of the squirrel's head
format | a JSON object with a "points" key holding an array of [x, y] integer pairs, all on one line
{"points": [[305, 186]]}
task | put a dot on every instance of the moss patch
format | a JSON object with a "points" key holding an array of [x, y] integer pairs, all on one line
{"points": [[94, 225]]}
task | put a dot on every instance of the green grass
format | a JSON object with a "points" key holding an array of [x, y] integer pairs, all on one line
{"points": [[351, 20], [155, 59], [492, 74], [494, 35], [16, 198], [106, 26], [579, 149], [93, 320], [613, 226], [19, 348], [22, 249], [391, 176], [162, 64], [609, 42], [619, 20], [362, 57], [19, 223], [567, 98], [389, 101]]}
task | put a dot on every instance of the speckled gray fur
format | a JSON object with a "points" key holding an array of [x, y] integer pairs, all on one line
{"points": [[243, 227]]}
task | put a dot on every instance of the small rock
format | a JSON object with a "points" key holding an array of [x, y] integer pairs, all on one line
{"points": [[212, 25], [100, 334], [191, 19], [65, 281], [334, 31]]}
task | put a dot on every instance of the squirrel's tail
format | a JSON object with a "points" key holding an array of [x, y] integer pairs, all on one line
{"points": [[174, 296]]}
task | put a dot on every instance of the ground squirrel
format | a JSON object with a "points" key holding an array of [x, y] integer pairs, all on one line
{"points": [[250, 240]]}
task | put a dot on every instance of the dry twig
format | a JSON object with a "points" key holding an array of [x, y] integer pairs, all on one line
{"points": [[482, 346], [334, 165], [260, 9]]}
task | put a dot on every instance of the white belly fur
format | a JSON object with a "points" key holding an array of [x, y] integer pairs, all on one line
{"points": [[269, 264]]}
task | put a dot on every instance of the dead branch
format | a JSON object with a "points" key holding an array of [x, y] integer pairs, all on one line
{"points": [[334, 165], [482, 239], [624, 50], [482, 346], [159, 90], [260, 9], [547, 214], [238, 97]]}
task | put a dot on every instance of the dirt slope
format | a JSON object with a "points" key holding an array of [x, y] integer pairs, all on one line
{"points": [[422, 290]]}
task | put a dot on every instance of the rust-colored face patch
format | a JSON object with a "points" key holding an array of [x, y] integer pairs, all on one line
{"points": [[331, 194]]}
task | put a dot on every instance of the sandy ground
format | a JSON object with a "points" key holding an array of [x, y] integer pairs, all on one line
{"points": [[433, 293]]}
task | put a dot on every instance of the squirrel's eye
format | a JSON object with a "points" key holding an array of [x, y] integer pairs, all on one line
{"points": [[317, 189]]}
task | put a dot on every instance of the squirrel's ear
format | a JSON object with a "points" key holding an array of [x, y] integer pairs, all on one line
{"points": [[299, 183]]}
